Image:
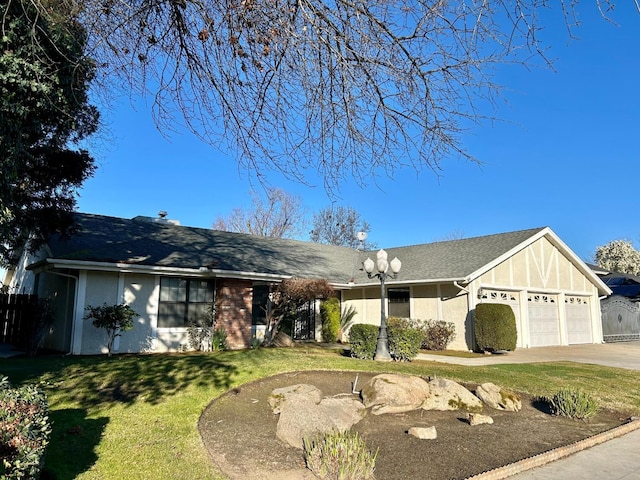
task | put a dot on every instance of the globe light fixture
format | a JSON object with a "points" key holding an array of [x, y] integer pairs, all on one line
{"points": [[379, 269]]}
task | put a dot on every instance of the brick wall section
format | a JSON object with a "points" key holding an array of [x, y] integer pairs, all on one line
{"points": [[233, 311]]}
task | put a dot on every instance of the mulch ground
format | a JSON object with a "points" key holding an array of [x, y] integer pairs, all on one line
{"points": [[239, 432]]}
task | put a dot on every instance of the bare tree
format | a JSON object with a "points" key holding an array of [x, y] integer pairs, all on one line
{"points": [[281, 215], [340, 226], [339, 88]]}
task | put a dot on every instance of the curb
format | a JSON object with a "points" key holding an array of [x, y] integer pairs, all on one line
{"points": [[557, 453]]}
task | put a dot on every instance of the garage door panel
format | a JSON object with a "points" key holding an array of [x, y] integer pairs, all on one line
{"points": [[544, 321], [578, 314]]}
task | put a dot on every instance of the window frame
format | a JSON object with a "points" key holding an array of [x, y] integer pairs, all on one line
{"points": [[186, 307]]}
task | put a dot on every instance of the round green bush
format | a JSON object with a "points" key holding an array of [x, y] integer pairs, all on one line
{"points": [[495, 327]]}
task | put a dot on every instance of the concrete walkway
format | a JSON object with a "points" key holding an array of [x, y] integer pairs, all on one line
{"points": [[620, 355], [616, 459]]}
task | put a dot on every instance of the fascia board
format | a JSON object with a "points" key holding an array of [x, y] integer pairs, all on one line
{"points": [[433, 281], [154, 269]]}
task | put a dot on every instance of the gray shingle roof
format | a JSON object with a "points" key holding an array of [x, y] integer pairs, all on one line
{"points": [[140, 242]]}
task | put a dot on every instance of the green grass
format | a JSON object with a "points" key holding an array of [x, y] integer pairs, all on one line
{"points": [[135, 416]]}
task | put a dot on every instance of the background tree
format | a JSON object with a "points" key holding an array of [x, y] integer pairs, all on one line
{"points": [[340, 226], [280, 215], [618, 256], [344, 88], [44, 79]]}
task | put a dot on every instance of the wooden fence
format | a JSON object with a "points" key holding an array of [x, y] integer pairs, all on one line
{"points": [[17, 315]]}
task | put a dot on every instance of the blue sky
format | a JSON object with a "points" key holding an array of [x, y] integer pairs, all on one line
{"points": [[565, 155]]}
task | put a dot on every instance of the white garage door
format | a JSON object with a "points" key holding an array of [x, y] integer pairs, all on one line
{"points": [[544, 321], [578, 315]]}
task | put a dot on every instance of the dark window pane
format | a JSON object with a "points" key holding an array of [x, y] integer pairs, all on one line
{"points": [[399, 305]]}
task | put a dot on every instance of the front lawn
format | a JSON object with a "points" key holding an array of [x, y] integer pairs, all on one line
{"points": [[135, 416]]}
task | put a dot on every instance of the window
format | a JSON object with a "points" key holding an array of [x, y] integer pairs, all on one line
{"points": [[184, 301], [259, 304], [399, 302]]}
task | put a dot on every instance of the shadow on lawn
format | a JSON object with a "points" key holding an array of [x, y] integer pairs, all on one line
{"points": [[96, 381], [74, 438]]}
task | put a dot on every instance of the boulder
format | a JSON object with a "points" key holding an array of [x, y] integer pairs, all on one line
{"points": [[281, 395], [498, 398], [424, 433], [282, 340], [479, 419], [449, 395], [304, 413], [392, 393]]}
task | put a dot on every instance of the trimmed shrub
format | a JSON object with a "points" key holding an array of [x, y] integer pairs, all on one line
{"points": [[330, 315], [404, 339], [437, 334], [573, 404], [340, 455], [495, 327], [24, 430], [363, 339]]}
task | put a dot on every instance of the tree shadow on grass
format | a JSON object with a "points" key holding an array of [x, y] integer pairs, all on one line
{"points": [[99, 381], [151, 378], [74, 438]]}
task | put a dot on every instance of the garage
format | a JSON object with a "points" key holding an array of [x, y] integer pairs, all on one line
{"points": [[578, 314], [544, 320]]}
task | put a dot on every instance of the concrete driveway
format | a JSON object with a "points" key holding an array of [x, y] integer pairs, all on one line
{"points": [[621, 355]]}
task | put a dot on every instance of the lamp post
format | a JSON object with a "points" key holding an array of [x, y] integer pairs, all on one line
{"points": [[381, 265]]}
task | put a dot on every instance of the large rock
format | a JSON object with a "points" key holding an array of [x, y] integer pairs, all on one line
{"points": [[304, 414], [280, 396], [498, 398], [392, 393], [449, 395]]}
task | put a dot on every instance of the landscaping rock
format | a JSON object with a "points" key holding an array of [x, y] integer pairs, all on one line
{"points": [[479, 419], [282, 340], [498, 398], [281, 395], [424, 433], [304, 413], [449, 395], [392, 393]]}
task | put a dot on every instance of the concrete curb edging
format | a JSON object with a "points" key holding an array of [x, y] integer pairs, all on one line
{"points": [[557, 453]]}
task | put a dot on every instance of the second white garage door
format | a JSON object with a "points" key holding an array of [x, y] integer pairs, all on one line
{"points": [[544, 321], [578, 315]]}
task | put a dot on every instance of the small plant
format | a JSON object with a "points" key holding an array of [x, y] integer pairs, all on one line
{"points": [[363, 339], [330, 314], [346, 319], [573, 404], [219, 340], [495, 327], [340, 456], [24, 430], [199, 334], [115, 319]]}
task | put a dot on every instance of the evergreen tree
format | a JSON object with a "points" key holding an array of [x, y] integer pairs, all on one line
{"points": [[44, 114]]}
